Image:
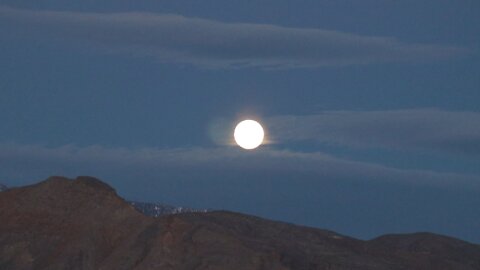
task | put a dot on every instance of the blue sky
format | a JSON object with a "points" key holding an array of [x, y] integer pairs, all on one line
{"points": [[372, 108]]}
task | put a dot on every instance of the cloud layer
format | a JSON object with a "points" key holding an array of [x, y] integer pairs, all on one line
{"points": [[414, 129], [97, 160], [208, 43]]}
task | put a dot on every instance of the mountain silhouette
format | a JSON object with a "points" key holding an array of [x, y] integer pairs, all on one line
{"points": [[83, 224]]}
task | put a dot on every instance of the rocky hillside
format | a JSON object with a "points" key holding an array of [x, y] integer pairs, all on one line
{"points": [[150, 209], [83, 224]]}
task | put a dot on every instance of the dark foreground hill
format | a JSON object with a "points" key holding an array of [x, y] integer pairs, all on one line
{"points": [[83, 224]]}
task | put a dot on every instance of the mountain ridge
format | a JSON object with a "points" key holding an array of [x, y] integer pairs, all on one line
{"points": [[160, 209], [147, 208], [83, 224]]}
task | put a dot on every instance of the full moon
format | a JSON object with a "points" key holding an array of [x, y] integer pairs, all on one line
{"points": [[248, 134]]}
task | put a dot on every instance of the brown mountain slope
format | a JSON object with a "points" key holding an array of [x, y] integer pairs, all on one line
{"points": [[83, 224]]}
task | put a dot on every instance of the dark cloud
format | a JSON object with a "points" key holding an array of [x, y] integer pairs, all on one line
{"points": [[428, 129], [208, 43], [116, 162]]}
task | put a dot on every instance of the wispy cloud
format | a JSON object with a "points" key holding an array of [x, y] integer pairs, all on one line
{"points": [[208, 43], [96, 160], [414, 129]]}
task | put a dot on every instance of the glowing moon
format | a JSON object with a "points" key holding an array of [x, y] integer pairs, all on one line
{"points": [[249, 134]]}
